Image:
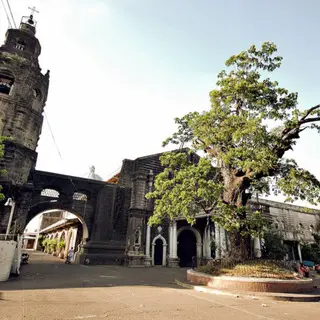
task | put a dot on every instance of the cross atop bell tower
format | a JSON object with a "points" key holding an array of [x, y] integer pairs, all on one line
{"points": [[28, 23], [33, 10]]}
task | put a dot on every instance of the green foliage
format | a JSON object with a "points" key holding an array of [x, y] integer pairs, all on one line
{"points": [[53, 244], [247, 154], [184, 187], [270, 269], [61, 244], [273, 246], [45, 243], [311, 252], [7, 57]]}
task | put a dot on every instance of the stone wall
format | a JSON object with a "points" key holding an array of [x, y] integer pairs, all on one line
{"points": [[294, 222]]}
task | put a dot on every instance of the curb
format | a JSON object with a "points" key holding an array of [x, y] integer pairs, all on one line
{"points": [[278, 297]]}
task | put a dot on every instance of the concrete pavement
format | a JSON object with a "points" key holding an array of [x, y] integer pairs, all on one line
{"points": [[48, 289]]}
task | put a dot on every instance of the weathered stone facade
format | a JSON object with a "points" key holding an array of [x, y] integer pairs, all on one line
{"points": [[113, 214], [23, 94]]}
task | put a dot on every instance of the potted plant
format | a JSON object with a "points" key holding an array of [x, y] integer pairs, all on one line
{"points": [[45, 244], [53, 246], [61, 247]]}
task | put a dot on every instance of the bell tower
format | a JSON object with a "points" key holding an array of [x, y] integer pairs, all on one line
{"points": [[23, 94]]}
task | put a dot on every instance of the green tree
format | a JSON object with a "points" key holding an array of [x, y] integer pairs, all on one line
{"points": [[239, 142]]}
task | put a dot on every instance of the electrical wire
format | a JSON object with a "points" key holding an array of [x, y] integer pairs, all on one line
{"points": [[56, 145], [6, 12], [14, 23], [114, 172], [52, 135]]}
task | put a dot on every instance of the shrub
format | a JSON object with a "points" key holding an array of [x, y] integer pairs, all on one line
{"points": [[53, 245], [311, 252], [61, 244], [273, 246]]}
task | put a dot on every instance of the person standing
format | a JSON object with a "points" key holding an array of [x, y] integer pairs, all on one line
{"points": [[194, 262], [70, 256]]}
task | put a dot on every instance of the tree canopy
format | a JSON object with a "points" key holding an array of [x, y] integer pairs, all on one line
{"points": [[251, 124]]}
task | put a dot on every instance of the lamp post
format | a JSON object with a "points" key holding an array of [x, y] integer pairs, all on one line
{"points": [[10, 203]]}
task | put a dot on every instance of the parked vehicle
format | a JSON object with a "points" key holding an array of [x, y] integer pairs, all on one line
{"points": [[24, 258]]}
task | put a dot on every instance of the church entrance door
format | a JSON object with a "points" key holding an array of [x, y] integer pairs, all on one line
{"points": [[158, 252], [187, 247]]}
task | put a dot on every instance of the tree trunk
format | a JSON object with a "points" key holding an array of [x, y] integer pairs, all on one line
{"points": [[234, 195]]}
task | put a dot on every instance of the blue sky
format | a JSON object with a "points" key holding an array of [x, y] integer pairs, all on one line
{"points": [[122, 70]]}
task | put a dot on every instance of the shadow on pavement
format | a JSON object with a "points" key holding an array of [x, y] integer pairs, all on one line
{"points": [[48, 272]]}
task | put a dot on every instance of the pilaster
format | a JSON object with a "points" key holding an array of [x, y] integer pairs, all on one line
{"points": [[173, 258]]}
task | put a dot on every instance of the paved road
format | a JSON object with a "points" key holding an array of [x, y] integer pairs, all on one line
{"points": [[48, 289]]}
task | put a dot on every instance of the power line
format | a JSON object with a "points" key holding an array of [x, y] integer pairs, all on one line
{"points": [[5, 10], [52, 135], [114, 172], [56, 145], [14, 23]]}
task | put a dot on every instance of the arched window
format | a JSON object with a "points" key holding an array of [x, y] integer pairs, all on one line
{"points": [[276, 225], [6, 82], [37, 93], [300, 226], [20, 45], [50, 193], [80, 196], [311, 228]]}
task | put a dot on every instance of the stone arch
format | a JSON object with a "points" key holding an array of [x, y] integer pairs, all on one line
{"points": [[198, 240], [164, 249], [85, 230]]}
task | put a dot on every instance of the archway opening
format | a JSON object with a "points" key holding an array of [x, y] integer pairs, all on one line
{"points": [[158, 252], [187, 247], [55, 232]]}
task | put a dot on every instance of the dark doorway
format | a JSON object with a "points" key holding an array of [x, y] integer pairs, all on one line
{"points": [[187, 248], [158, 252], [30, 243]]}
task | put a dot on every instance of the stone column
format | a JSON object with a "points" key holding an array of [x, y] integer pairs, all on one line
{"points": [[173, 258], [217, 241], [207, 244], [223, 242], [174, 240], [299, 252], [147, 260], [257, 247], [170, 241]]}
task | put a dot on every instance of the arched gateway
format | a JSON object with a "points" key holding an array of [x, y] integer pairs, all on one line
{"points": [[189, 245], [159, 251]]}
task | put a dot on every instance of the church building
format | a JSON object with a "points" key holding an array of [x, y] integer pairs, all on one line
{"points": [[114, 214]]}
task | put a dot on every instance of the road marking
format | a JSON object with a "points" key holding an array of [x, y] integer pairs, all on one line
{"points": [[85, 317], [227, 306], [114, 277]]}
